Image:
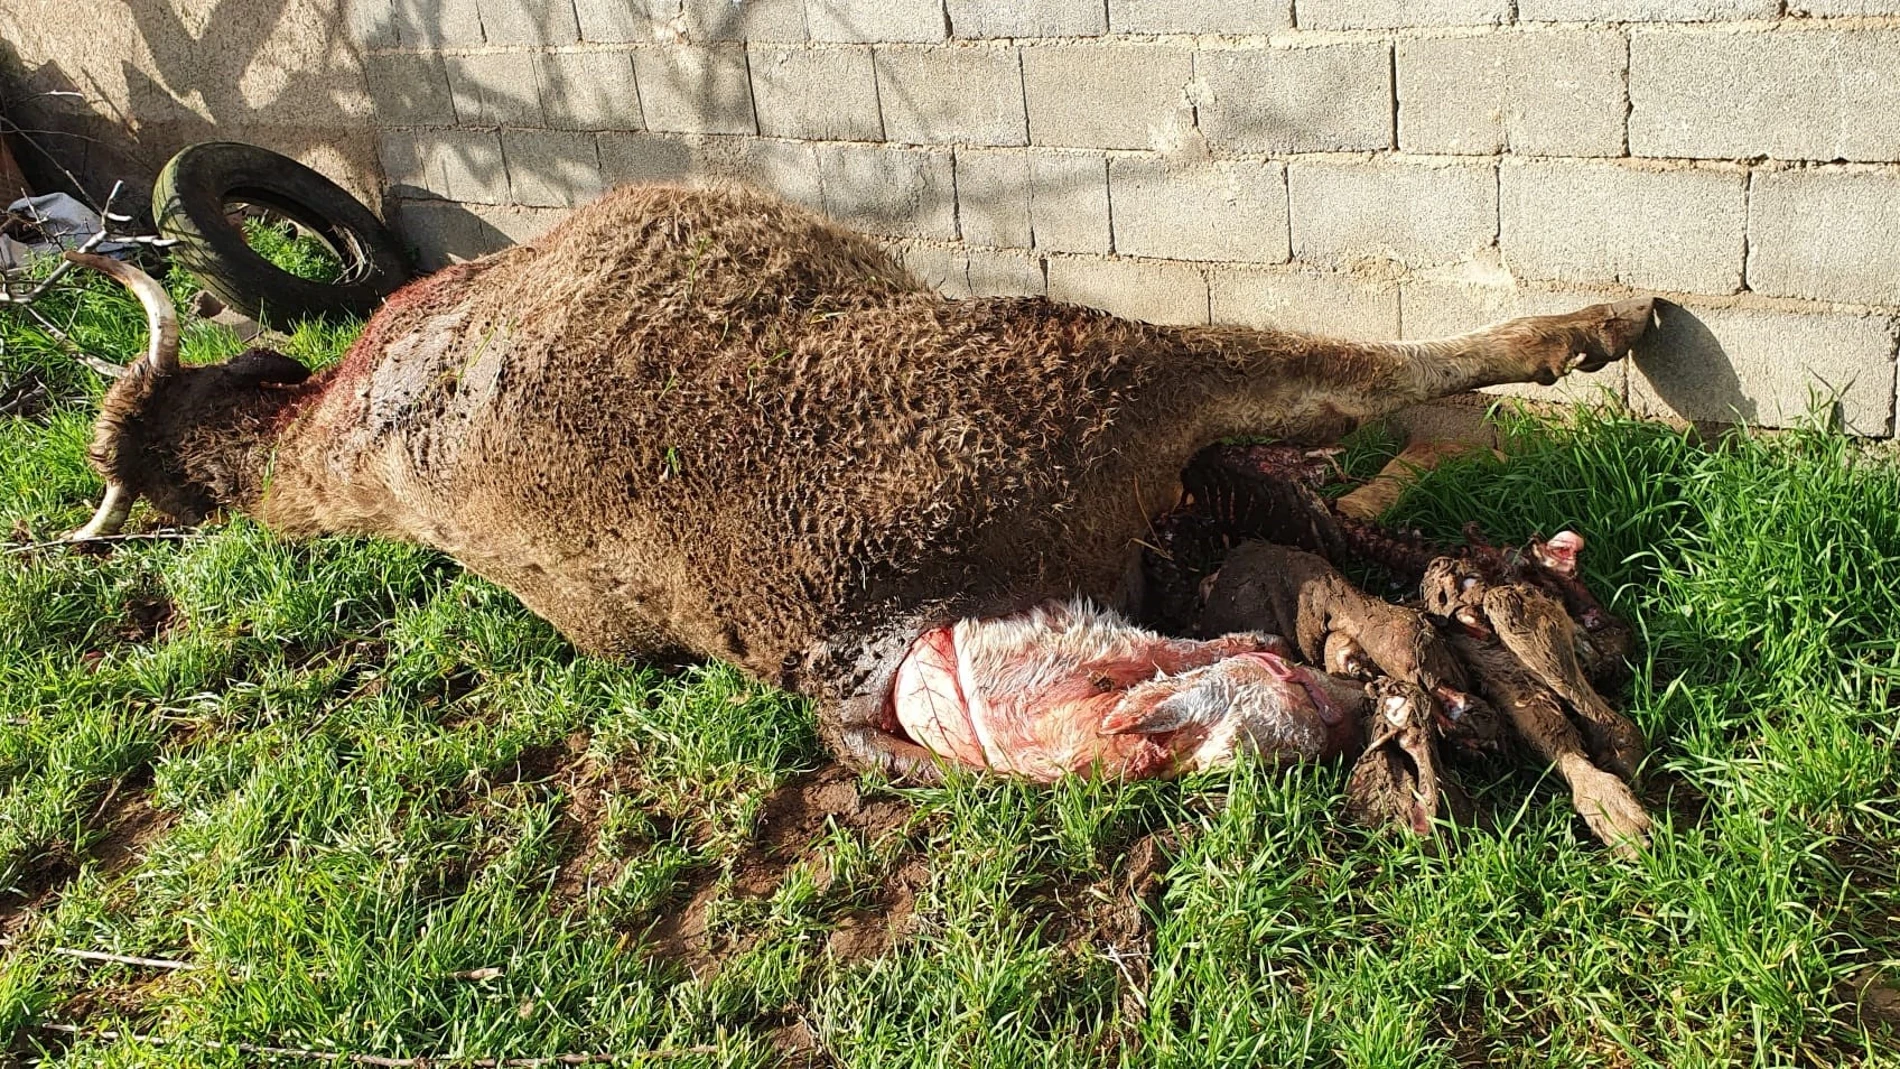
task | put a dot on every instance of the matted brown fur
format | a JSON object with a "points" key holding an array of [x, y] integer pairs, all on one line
{"points": [[709, 421]]}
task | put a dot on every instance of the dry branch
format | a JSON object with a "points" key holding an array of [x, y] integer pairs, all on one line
{"points": [[420, 1061], [144, 536], [124, 959]]}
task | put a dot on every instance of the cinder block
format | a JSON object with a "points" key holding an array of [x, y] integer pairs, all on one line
{"points": [[1150, 292], [1763, 366], [1604, 223], [788, 168], [372, 23], [614, 21], [1199, 16], [971, 96], [627, 158], [1829, 235], [1205, 210], [1068, 201], [1398, 14], [695, 90], [1005, 273], [1827, 8], [941, 267], [427, 24], [1537, 94], [1441, 309], [901, 192], [495, 88], [993, 197], [528, 22], [752, 20], [1418, 213], [1444, 306], [1014, 18], [821, 93], [1330, 98], [1108, 96], [1645, 10], [463, 165], [1807, 95], [551, 168], [403, 174], [409, 90], [874, 23], [588, 90], [442, 233], [1334, 304]]}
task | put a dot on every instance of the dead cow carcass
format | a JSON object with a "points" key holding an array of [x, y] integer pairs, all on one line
{"points": [[710, 422]]}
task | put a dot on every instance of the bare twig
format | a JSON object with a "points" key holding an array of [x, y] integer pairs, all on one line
{"points": [[487, 972], [59, 270], [421, 1061], [25, 137], [143, 536], [104, 367], [124, 959]]}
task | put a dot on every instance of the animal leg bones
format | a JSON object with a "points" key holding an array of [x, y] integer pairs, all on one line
{"points": [[1454, 591], [1397, 778], [1276, 588]]}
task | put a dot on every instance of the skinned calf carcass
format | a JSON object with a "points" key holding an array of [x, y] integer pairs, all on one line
{"points": [[1073, 688], [710, 423]]}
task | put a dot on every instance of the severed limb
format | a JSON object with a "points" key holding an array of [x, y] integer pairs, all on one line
{"points": [[1397, 779], [1286, 591], [1535, 628], [1457, 592], [1603, 800], [1541, 636], [1379, 493]]}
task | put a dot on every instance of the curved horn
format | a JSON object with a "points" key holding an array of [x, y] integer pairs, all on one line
{"points": [[110, 516], [161, 319]]}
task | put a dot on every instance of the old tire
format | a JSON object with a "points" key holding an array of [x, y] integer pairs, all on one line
{"points": [[190, 203]]}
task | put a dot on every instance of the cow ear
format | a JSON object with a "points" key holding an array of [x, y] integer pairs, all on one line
{"points": [[262, 367]]}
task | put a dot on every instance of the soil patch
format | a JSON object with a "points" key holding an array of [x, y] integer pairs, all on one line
{"points": [[134, 828], [792, 822], [131, 823], [147, 619], [589, 785], [869, 934], [1110, 918], [1874, 1003], [797, 1045]]}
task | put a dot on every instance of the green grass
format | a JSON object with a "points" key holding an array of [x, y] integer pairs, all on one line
{"points": [[333, 773], [301, 254]]}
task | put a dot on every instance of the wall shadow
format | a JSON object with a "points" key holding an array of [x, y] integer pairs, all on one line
{"points": [[1685, 367], [283, 74]]}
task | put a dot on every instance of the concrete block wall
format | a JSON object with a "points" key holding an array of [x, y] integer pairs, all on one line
{"points": [[1374, 168]]}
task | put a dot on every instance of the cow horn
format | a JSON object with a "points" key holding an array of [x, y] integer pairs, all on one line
{"points": [[110, 515], [161, 319]]}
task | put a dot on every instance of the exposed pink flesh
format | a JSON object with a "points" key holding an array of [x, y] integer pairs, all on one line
{"points": [[1560, 553]]}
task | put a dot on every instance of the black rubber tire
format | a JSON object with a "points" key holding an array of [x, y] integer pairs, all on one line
{"points": [[188, 202]]}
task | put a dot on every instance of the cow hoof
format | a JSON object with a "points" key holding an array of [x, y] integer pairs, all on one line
{"points": [[1618, 327], [1614, 815]]}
